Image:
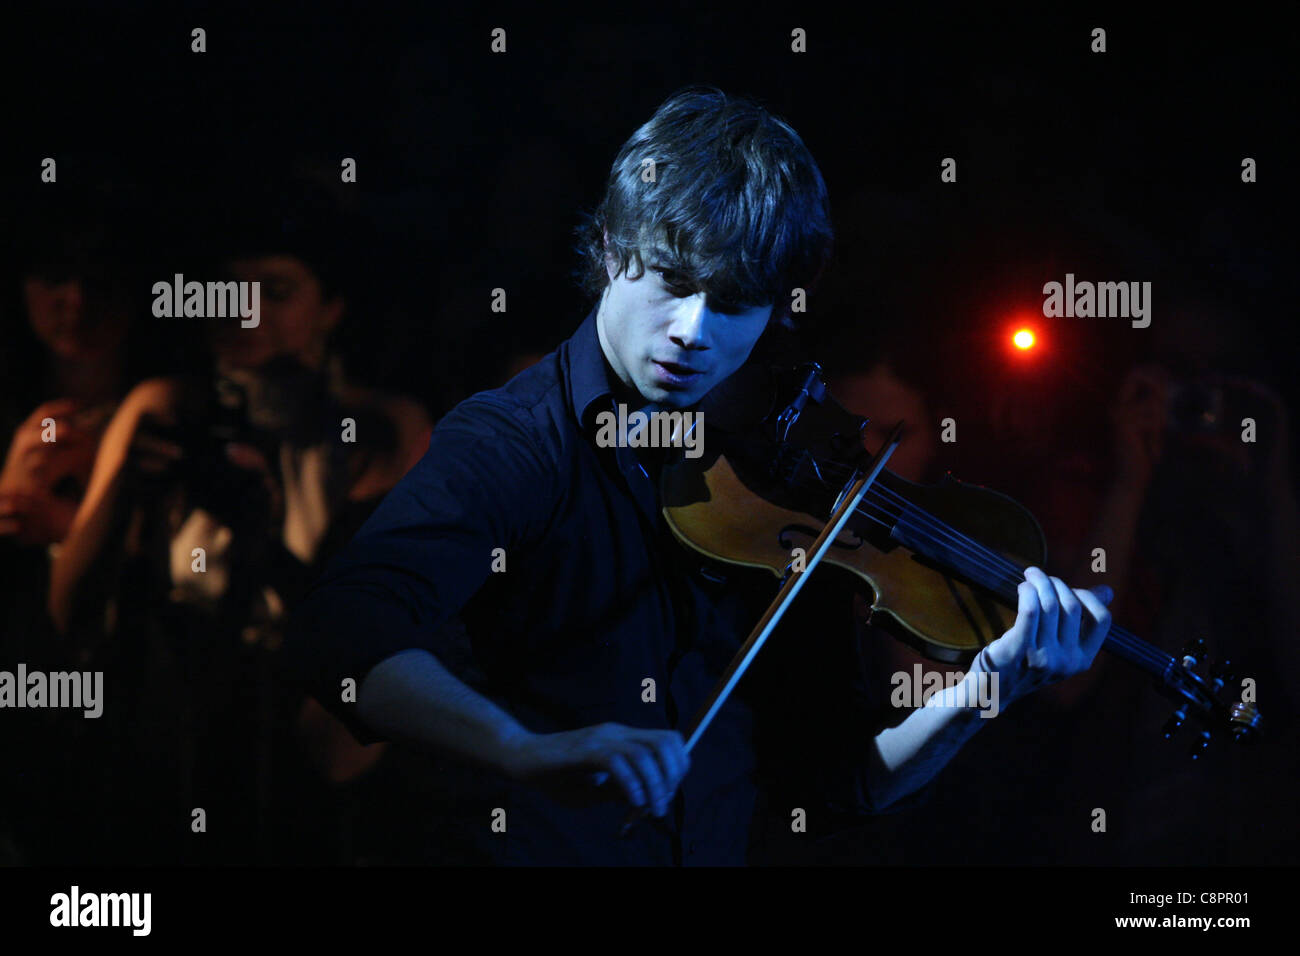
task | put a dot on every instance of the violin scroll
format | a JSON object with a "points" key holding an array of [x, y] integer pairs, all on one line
{"points": [[1201, 693]]}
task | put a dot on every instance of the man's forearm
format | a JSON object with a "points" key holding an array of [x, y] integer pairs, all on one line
{"points": [[412, 698], [908, 756]]}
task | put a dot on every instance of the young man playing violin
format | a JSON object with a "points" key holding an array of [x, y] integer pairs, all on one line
{"points": [[594, 635]]}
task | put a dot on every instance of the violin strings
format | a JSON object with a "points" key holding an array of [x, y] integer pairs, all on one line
{"points": [[1010, 575], [1003, 571], [1004, 574], [1007, 576]]}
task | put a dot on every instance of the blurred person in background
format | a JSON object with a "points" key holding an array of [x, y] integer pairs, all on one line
{"points": [[1199, 527], [250, 463], [76, 341]]}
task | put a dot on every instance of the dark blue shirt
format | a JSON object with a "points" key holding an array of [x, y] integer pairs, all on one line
{"points": [[595, 598]]}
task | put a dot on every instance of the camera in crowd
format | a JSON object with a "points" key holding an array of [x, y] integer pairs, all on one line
{"points": [[231, 493]]}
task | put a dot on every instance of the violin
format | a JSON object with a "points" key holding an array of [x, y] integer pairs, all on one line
{"points": [[786, 480], [942, 562]]}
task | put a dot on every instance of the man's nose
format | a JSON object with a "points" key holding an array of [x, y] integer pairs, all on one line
{"points": [[688, 325]]}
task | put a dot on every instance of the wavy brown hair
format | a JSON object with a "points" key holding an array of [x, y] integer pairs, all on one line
{"points": [[737, 207]]}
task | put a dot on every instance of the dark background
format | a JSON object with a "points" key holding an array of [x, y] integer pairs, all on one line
{"points": [[473, 169]]}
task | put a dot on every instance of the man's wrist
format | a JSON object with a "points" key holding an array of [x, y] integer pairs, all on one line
{"points": [[514, 752], [983, 688]]}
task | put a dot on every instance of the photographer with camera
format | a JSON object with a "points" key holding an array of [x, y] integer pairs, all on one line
{"points": [[210, 505]]}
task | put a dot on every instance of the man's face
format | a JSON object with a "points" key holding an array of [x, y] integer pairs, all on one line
{"points": [[670, 345]]}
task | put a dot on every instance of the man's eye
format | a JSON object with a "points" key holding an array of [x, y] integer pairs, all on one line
{"points": [[680, 285], [727, 307], [674, 280]]}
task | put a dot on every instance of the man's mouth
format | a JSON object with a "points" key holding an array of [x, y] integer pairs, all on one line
{"points": [[673, 373]]}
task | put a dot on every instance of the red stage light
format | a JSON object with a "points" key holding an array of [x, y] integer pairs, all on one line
{"points": [[1023, 339]]}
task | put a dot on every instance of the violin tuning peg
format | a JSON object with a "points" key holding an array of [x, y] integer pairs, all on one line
{"points": [[1246, 722], [1193, 653]]}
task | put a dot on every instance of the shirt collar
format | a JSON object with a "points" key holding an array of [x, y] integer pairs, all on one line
{"points": [[592, 386], [590, 376]]}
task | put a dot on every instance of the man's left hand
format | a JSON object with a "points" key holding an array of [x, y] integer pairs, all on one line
{"points": [[1057, 634]]}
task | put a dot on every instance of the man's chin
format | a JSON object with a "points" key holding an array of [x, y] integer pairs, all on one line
{"points": [[674, 399]]}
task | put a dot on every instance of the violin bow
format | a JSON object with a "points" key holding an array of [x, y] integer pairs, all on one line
{"points": [[849, 499]]}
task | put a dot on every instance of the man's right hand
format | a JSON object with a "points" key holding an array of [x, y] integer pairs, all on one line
{"points": [[645, 766]]}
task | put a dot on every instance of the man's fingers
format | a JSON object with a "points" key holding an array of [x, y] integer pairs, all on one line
{"points": [[1071, 612], [1021, 633], [1095, 630], [1049, 609], [646, 766], [1069, 648], [675, 749], [670, 751], [627, 781]]}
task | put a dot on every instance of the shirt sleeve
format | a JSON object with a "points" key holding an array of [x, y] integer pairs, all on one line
{"points": [[848, 795], [823, 711], [483, 483]]}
